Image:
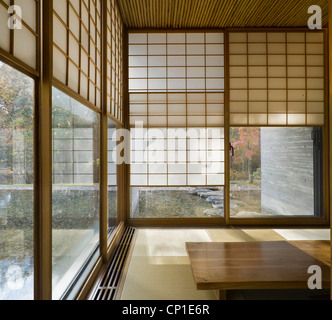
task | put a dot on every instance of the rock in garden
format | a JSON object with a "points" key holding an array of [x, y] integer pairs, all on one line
{"points": [[198, 191], [213, 212], [218, 205], [234, 206], [215, 199], [210, 194]]}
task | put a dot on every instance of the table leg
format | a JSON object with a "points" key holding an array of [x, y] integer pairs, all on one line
{"points": [[221, 294]]}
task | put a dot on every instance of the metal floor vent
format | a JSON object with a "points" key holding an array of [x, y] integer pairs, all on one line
{"points": [[108, 287]]}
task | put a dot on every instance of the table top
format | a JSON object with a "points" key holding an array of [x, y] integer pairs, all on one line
{"points": [[258, 265]]}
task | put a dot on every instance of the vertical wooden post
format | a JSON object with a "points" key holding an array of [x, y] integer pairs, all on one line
{"points": [[104, 141], [227, 191], [126, 119], [43, 152], [330, 104]]}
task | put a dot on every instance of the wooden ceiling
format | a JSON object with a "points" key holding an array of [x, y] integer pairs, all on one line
{"points": [[218, 13]]}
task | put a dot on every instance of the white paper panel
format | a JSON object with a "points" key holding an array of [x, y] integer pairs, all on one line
{"points": [[5, 31], [83, 34], [176, 72], [176, 38], [24, 40], [195, 37], [25, 46], [140, 38], [73, 76], [138, 180], [157, 38], [177, 157], [59, 34], [177, 57], [177, 180], [276, 81], [28, 12], [59, 65], [176, 49], [74, 23], [214, 37]]}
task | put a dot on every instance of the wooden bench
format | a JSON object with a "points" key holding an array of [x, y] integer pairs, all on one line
{"points": [[257, 265]]}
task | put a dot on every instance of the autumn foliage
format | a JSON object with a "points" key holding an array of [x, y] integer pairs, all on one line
{"points": [[247, 152]]}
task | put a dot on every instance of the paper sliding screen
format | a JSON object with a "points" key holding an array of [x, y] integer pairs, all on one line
{"points": [[77, 47], [177, 110], [114, 60], [177, 157], [19, 34], [180, 62], [277, 78], [176, 84]]}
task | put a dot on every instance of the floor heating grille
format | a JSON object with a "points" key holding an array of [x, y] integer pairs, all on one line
{"points": [[108, 287]]}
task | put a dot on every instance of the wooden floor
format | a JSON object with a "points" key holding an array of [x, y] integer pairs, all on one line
{"points": [[257, 265], [159, 267]]}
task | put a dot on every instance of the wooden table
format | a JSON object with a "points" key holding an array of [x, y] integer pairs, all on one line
{"points": [[257, 265]]}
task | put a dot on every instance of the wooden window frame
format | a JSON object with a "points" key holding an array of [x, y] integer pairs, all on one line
{"points": [[228, 221]]}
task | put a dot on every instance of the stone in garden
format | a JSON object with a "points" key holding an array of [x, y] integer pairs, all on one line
{"points": [[218, 205], [198, 191], [213, 212], [215, 199], [210, 194], [234, 206]]}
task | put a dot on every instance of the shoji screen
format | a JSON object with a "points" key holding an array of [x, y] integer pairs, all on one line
{"points": [[176, 83], [19, 34], [177, 110], [114, 60], [177, 157], [177, 79], [176, 62], [77, 47], [277, 78]]}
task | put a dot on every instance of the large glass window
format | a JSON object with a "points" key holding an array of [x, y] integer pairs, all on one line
{"points": [[75, 188], [16, 184], [112, 176], [276, 172]]}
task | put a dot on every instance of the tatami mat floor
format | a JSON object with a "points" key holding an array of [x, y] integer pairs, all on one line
{"points": [[159, 267]]}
